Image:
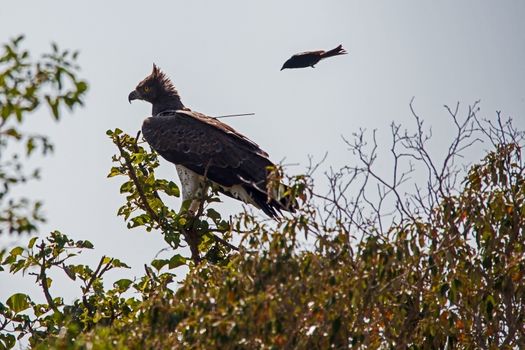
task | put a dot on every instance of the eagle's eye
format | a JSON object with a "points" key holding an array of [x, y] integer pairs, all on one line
{"points": [[146, 89]]}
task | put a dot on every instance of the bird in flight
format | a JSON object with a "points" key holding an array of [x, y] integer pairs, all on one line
{"points": [[311, 58], [205, 149]]}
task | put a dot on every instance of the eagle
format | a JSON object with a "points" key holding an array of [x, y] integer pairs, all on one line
{"points": [[311, 58], [206, 149]]}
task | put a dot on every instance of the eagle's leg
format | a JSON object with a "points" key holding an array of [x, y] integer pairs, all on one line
{"points": [[194, 206], [192, 188]]}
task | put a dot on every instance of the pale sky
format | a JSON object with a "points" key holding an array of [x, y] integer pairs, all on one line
{"points": [[224, 57]]}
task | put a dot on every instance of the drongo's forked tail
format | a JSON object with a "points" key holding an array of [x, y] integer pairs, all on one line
{"points": [[334, 52]]}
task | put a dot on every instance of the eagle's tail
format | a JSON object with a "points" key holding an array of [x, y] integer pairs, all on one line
{"points": [[276, 202], [334, 52], [270, 195]]}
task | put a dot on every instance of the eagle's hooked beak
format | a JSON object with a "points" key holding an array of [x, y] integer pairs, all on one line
{"points": [[133, 95]]}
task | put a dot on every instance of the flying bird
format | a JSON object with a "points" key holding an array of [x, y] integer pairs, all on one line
{"points": [[311, 58], [206, 149]]}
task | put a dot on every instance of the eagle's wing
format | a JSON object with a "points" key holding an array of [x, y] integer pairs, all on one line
{"points": [[225, 128], [207, 147], [211, 148]]}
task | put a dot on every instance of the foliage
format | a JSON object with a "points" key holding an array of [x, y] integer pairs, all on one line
{"points": [[24, 86], [54, 252], [447, 275]]}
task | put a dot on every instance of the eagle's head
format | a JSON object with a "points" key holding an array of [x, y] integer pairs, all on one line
{"points": [[155, 88]]}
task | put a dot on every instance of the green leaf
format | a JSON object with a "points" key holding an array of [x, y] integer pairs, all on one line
{"points": [[139, 220], [13, 133], [16, 251], [98, 316], [18, 302], [17, 266], [169, 187], [8, 341], [32, 242], [159, 263], [53, 104], [115, 171], [81, 86], [69, 272], [137, 158], [118, 263], [213, 214], [30, 146], [123, 284], [126, 187], [176, 261], [84, 244], [9, 260], [173, 189]]}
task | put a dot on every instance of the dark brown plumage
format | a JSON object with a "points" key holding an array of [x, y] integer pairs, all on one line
{"points": [[311, 58], [204, 147]]}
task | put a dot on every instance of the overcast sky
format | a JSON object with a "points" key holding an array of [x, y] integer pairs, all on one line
{"points": [[224, 57]]}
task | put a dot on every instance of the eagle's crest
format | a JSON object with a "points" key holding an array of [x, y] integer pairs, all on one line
{"points": [[160, 79]]}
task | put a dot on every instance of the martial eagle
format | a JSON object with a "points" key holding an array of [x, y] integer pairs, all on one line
{"points": [[311, 58], [205, 149]]}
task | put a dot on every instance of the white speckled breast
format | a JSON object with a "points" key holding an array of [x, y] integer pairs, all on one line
{"points": [[191, 182]]}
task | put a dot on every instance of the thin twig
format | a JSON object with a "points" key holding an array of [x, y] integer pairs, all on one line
{"points": [[224, 242], [134, 178], [98, 273], [43, 279]]}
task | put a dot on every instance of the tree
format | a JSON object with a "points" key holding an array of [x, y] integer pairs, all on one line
{"points": [[24, 86], [366, 265]]}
